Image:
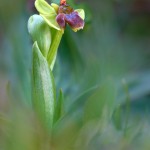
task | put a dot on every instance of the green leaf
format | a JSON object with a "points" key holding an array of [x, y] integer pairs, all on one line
{"points": [[44, 94], [100, 105], [40, 32], [59, 111]]}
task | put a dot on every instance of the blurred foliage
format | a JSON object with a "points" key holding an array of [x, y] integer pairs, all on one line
{"points": [[91, 65]]}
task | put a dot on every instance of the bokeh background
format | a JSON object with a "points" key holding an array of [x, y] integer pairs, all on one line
{"points": [[115, 44]]}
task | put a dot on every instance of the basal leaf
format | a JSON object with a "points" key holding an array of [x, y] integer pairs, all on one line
{"points": [[43, 88]]}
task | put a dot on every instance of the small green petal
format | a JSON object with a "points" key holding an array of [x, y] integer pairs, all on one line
{"points": [[55, 6], [44, 8], [81, 13], [51, 21]]}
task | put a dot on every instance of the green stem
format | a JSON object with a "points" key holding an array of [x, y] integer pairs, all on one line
{"points": [[53, 49], [127, 107]]}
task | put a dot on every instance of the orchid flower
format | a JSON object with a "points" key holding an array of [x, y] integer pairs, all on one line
{"points": [[58, 16]]}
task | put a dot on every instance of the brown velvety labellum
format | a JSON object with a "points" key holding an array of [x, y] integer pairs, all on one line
{"points": [[74, 20], [61, 20]]}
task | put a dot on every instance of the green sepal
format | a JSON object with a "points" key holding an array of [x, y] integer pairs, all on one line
{"points": [[48, 13], [59, 111], [40, 32], [51, 21], [44, 8], [44, 93]]}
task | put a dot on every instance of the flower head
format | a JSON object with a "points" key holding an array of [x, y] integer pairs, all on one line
{"points": [[58, 16]]}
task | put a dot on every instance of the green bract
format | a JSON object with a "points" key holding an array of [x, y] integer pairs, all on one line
{"points": [[49, 13], [40, 33]]}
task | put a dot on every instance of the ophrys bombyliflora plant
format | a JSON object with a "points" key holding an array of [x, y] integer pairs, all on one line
{"points": [[46, 30]]}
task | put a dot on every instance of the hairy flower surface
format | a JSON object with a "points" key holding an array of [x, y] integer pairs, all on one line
{"points": [[58, 16]]}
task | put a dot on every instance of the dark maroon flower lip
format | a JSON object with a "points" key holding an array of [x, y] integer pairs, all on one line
{"points": [[67, 15], [74, 20], [61, 20]]}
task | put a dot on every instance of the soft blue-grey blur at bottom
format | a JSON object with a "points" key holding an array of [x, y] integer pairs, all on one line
{"points": [[102, 77]]}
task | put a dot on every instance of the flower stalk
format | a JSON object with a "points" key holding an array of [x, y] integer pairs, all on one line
{"points": [[53, 49]]}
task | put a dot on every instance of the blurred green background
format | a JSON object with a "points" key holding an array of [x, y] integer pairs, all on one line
{"points": [[114, 45]]}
